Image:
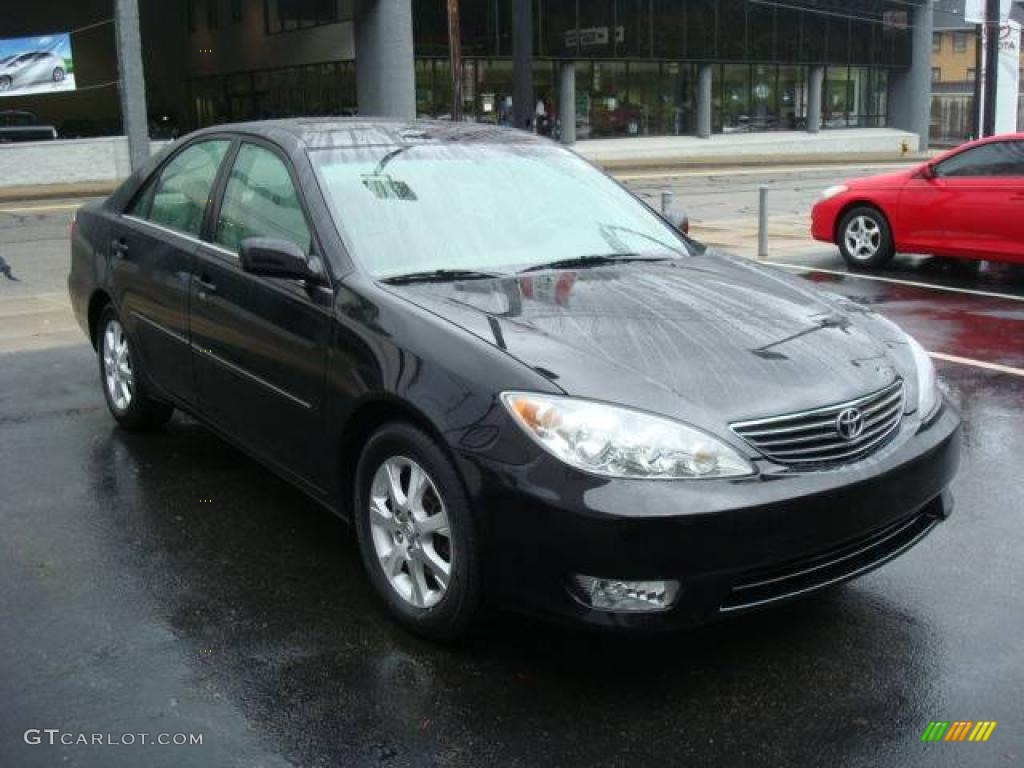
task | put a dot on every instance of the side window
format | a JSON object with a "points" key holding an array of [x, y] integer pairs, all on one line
{"points": [[260, 201], [178, 197], [143, 203], [1001, 158]]}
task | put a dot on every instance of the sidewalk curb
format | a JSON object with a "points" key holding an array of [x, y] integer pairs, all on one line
{"points": [[56, 191]]}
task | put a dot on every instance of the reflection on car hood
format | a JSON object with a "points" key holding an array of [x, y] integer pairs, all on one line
{"points": [[881, 180], [711, 335]]}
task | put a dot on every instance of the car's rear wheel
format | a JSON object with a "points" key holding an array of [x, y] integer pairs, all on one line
{"points": [[416, 532], [121, 375], [864, 238], [58, 74]]}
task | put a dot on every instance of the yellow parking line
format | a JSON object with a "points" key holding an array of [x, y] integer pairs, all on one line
{"points": [[978, 363], [898, 281], [35, 208]]}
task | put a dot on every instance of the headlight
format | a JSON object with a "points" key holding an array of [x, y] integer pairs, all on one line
{"points": [[620, 442], [838, 189], [927, 386]]}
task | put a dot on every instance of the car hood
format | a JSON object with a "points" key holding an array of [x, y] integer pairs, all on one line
{"points": [[882, 180], [711, 339]]}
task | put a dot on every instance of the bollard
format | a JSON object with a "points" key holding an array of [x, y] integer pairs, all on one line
{"points": [[666, 202], [762, 223]]}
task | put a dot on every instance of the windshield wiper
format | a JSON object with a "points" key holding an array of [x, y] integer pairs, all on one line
{"points": [[440, 276], [582, 262]]}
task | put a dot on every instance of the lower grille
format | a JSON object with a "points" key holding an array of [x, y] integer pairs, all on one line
{"points": [[807, 574], [830, 435]]}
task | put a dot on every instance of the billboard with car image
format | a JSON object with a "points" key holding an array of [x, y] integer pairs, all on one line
{"points": [[33, 65]]}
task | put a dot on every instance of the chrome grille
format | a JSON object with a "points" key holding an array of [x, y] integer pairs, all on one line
{"points": [[814, 437]]}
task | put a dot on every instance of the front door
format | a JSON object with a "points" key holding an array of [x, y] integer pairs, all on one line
{"points": [[259, 344], [980, 201]]}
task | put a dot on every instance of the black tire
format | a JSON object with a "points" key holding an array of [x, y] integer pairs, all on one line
{"points": [[138, 412], [869, 226], [964, 267], [452, 617], [58, 74], [5, 83]]}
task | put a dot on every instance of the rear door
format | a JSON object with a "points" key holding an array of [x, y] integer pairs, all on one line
{"points": [[151, 257], [981, 206], [260, 344]]}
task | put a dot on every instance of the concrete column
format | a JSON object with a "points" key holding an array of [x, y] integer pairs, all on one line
{"points": [[815, 86], [132, 82], [385, 77], [704, 101], [910, 89], [523, 102], [567, 101]]}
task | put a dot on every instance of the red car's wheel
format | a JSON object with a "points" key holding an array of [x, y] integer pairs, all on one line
{"points": [[864, 238]]}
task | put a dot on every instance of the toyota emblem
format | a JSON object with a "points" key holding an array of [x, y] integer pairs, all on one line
{"points": [[849, 424]]}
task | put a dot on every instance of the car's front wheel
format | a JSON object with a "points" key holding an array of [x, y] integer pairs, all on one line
{"points": [[121, 375], [58, 74], [416, 532], [5, 82], [864, 238]]}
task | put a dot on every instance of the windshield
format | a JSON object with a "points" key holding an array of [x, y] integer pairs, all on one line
{"points": [[421, 208]]}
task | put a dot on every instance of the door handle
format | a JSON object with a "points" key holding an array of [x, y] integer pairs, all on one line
{"points": [[206, 286], [119, 248]]}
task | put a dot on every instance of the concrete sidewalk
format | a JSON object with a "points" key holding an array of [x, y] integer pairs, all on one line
{"points": [[742, 149]]}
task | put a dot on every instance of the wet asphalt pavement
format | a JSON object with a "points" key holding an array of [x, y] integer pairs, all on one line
{"points": [[168, 584]]}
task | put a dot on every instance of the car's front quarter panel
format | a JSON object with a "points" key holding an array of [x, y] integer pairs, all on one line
{"points": [[386, 351]]}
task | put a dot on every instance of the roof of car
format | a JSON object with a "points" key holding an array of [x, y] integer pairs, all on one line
{"points": [[336, 132]]}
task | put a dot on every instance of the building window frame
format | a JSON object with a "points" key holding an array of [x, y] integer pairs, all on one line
{"points": [[936, 74], [959, 42], [936, 42]]}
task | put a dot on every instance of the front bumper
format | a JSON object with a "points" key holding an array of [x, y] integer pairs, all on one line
{"points": [[823, 218], [734, 545]]}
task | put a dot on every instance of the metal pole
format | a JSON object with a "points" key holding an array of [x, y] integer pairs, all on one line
{"points": [[991, 64], [523, 116], [762, 222], [666, 202], [979, 67], [455, 58], [131, 82]]}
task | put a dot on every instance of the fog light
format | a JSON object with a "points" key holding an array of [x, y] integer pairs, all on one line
{"points": [[618, 595]]}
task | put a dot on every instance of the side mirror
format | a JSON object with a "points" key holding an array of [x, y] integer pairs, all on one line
{"points": [[677, 218], [270, 257], [927, 171]]}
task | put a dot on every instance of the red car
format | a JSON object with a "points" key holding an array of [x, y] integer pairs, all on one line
{"points": [[966, 204]]}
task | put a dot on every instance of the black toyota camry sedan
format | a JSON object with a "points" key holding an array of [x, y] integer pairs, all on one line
{"points": [[521, 384]]}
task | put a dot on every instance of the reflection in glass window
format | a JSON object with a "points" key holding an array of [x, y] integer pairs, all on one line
{"points": [[260, 201], [735, 104], [1001, 158], [183, 190], [484, 207]]}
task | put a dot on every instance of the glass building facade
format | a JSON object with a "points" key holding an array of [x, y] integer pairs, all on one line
{"points": [[636, 64]]}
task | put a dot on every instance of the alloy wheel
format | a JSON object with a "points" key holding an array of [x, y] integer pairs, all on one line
{"points": [[411, 533], [117, 366], [863, 238]]}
